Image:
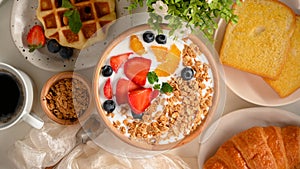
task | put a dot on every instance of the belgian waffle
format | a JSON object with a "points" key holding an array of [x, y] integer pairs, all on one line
{"points": [[94, 15]]}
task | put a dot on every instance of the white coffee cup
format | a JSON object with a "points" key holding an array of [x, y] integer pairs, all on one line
{"points": [[23, 111]]}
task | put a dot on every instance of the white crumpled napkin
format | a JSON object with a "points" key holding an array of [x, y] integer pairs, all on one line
{"points": [[45, 147]]}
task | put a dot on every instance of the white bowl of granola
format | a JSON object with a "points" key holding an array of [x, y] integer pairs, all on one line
{"points": [[156, 92]]}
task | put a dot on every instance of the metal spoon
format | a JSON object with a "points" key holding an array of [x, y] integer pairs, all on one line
{"points": [[90, 129]]}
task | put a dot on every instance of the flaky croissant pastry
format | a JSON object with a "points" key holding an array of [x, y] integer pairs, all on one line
{"points": [[259, 148]]}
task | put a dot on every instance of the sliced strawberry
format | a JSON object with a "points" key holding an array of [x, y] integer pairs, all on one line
{"points": [[154, 94], [139, 100], [36, 38], [136, 70], [117, 60], [107, 89], [123, 87]]}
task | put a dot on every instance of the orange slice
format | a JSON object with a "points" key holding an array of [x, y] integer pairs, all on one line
{"points": [[170, 65], [174, 49], [159, 52], [161, 73], [136, 45]]}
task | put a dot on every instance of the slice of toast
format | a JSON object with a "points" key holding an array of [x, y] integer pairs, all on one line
{"points": [[259, 42], [289, 79]]}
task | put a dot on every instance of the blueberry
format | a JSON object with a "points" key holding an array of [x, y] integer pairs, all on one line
{"points": [[161, 39], [106, 71], [53, 46], [66, 52], [109, 106], [137, 116], [187, 73], [148, 36]]}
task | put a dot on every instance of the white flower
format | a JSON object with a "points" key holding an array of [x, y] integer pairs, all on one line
{"points": [[160, 8], [209, 1]]}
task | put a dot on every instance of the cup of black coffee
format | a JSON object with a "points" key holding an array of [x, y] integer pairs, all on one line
{"points": [[16, 98]]}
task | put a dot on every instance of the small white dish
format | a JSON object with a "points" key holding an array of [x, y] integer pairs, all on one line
{"points": [[238, 121], [250, 87]]}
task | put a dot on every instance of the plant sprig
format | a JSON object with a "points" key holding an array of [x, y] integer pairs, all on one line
{"points": [[73, 16], [199, 15]]}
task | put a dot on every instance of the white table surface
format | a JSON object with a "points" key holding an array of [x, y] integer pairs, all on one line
{"points": [[11, 55]]}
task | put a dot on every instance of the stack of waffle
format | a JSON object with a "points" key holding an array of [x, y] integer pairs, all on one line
{"points": [[94, 14]]}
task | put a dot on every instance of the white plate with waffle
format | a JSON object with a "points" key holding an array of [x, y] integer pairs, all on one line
{"points": [[24, 16]]}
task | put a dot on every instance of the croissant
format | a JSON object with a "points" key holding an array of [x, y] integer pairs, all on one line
{"points": [[259, 148]]}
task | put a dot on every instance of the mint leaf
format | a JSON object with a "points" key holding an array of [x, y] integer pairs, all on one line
{"points": [[152, 77], [166, 88], [68, 13], [156, 87], [73, 16], [75, 23], [67, 4]]}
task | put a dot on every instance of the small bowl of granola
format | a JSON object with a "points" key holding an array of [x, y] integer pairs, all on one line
{"points": [[66, 98], [156, 92]]}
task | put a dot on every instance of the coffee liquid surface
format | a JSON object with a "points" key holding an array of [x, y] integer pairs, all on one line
{"points": [[9, 96]]}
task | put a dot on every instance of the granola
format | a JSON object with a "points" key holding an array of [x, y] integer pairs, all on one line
{"points": [[68, 99]]}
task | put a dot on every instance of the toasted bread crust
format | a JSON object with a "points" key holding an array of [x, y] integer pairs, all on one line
{"points": [[289, 79]]}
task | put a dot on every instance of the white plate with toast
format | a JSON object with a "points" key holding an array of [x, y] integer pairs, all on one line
{"points": [[250, 87], [226, 127]]}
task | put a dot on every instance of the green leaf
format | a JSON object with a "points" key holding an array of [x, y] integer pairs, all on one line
{"points": [[167, 17], [149, 2], [166, 88], [69, 13], [199, 14], [152, 77], [73, 16], [32, 48], [67, 4], [156, 87], [75, 23]]}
